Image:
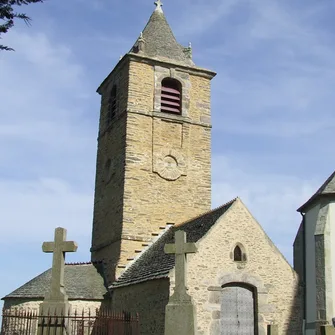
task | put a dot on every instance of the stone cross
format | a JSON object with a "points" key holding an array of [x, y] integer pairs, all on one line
{"points": [[59, 247], [159, 4], [180, 249]]}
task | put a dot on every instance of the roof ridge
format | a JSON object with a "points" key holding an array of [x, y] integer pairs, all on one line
{"points": [[320, 191], [206, 213], [80, 263], [325, 184]]}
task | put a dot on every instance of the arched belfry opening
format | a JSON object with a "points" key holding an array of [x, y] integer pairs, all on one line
{"points": [[171, 96], [112, 104]]}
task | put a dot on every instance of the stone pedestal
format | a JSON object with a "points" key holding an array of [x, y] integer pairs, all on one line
{"points": [[53, 318], [327, 330], [272, 330], [180, 318], [60, 308], [180, 313]]}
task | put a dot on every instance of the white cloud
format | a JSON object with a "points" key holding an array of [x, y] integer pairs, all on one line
{"points": [[200, 16], [271, 197], [275, 71], [35, 207], [48, 156]]}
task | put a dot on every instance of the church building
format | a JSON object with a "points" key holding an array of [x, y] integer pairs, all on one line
{"points": [[153, 178]]}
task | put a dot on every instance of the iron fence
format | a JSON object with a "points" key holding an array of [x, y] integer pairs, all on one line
{"points": [[102, 322]]}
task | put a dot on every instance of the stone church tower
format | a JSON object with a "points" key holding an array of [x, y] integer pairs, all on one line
{"points": [[154, 145]]}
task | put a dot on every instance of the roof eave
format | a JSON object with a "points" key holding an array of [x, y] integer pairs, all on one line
{"points": [[121, 62], [312, 201], [190, 68], [125, 284], [32, 297]]}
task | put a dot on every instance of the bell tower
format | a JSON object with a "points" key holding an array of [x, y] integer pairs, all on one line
{"points": [[154, 145]]}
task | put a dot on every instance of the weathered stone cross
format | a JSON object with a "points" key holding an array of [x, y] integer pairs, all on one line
{"points": [[59, 247], [180, 249], [159, 4]]}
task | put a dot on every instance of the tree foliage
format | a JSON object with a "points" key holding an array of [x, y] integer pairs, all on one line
{"points": [[8, 16]]}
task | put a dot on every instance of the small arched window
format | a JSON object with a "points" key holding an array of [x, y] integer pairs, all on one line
{"points": [[112, 104], [237, 254], [171, 96]]}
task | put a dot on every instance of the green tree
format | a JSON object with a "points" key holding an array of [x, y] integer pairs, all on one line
{"points": [[8, 16]]}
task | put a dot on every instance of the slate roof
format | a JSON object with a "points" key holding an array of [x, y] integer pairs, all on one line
{"points": [[82, 281], [327, 188], [154, 263], [160, 42]]}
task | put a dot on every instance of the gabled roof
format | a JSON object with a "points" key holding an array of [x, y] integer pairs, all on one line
{"points": [[82, 281], [159, 41], [327, 188], [154, 263]]}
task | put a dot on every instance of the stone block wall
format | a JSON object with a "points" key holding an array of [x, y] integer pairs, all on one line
{"points": [[148, 299], [109, 182], [167, 156], [149, 162]]}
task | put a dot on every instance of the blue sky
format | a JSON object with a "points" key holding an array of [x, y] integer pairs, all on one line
{"points": [[272, 107]]}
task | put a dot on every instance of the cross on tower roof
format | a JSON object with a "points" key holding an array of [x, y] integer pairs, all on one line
{"points": [[180, 249], [59, 247], [159, 4]]}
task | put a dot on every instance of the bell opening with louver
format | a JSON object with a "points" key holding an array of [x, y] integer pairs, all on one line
{"points": [[112, 104], [171, 96]]}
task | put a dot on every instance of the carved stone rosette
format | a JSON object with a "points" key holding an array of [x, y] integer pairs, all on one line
{"points": [[169, 164]]}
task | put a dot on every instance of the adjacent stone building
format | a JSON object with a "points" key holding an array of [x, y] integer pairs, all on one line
{"points": [[314, 256], [153, 177], [84, 282]]}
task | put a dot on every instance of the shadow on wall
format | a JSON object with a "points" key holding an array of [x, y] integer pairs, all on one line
{"points": [[149, 299], [296, 312]]}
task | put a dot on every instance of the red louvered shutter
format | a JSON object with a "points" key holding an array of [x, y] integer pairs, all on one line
{"points": [[171, 96]]}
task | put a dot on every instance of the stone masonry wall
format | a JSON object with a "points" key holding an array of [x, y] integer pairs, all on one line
{"points": [[149, 300], [298, 253], [148, 162], [109, 183], [168, 172], [279, 298]]}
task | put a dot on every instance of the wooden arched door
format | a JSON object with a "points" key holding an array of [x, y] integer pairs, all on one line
{"points": [[238, 310]]}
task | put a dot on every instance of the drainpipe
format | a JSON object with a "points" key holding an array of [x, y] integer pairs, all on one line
{"points": [[304, 270]]}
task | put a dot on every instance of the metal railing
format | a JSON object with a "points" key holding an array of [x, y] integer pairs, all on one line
{"points": [[102, 322]]}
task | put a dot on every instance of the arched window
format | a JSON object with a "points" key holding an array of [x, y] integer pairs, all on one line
{"points": [[112, 104], [171, 96], [237, 254]]}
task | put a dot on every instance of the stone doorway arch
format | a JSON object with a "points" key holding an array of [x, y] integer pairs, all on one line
{"points": [[242, 279]]}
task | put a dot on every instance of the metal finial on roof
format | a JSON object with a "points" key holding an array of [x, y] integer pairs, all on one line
{"points": [[159, 5]]}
